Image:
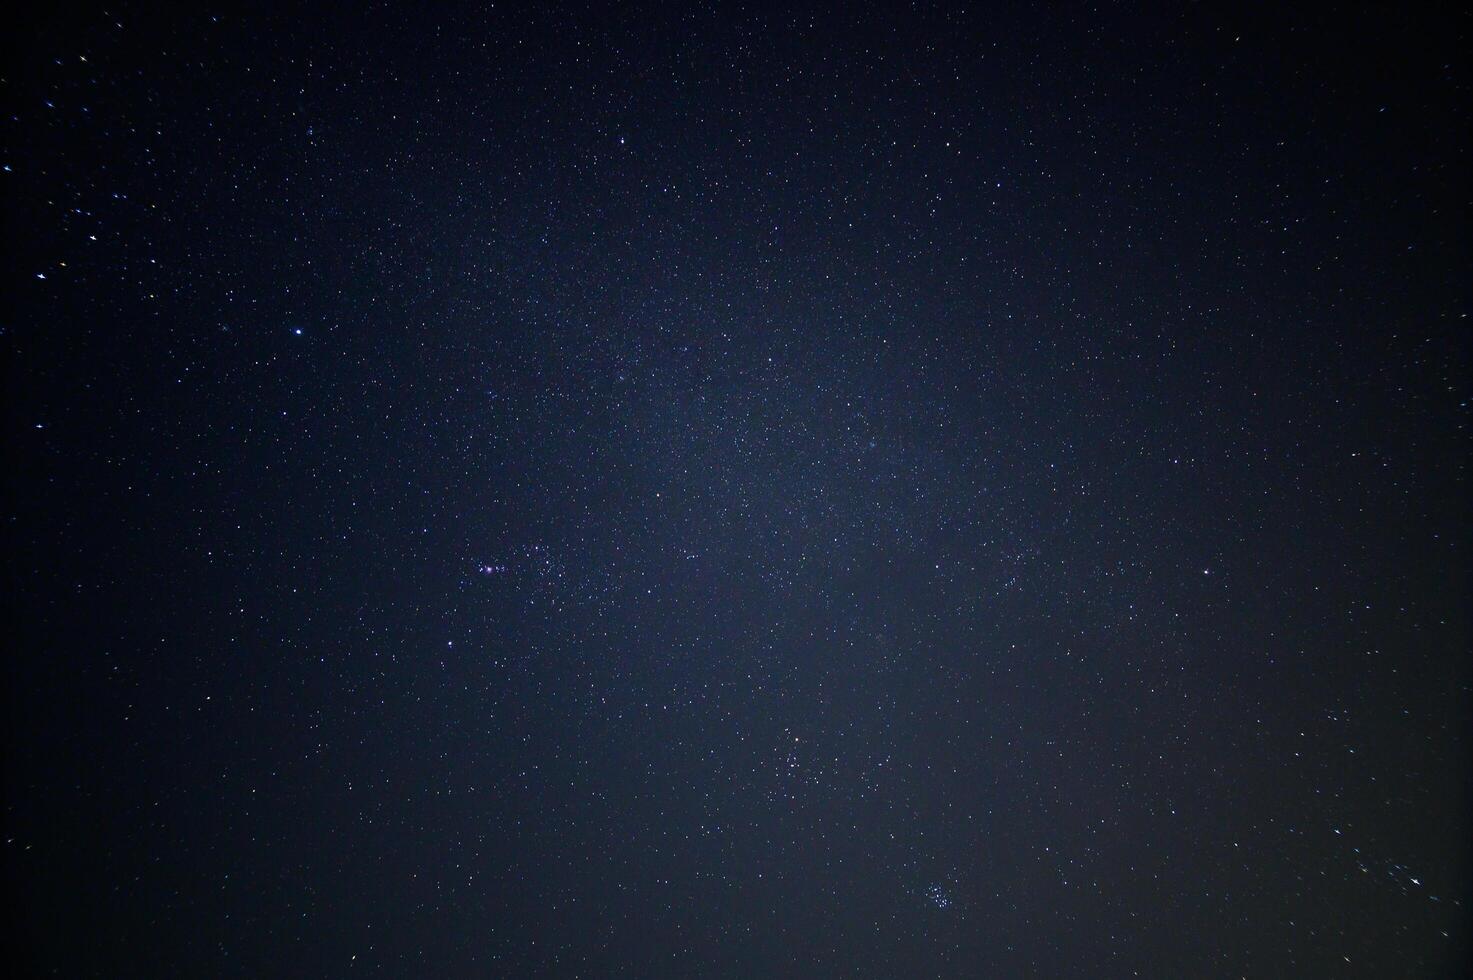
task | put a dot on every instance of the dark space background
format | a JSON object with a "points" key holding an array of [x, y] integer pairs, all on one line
{"points": [[734, 491]]}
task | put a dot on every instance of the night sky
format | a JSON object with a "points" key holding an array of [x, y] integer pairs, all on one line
{"points": [[686, 491]]}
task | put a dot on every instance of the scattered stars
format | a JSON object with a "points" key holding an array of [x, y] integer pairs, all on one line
{"points": [[768, 491]]}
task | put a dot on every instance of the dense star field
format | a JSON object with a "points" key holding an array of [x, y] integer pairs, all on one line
{"points": [[736, 491]]}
